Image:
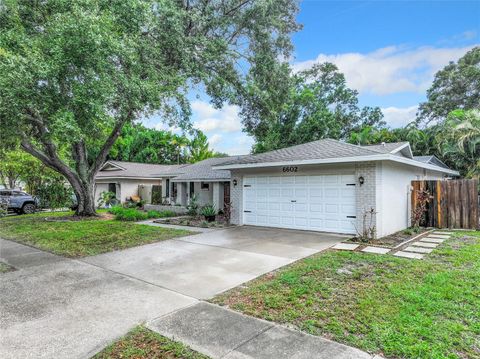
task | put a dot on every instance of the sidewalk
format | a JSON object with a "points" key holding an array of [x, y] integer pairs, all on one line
{"points": [[223, 333]]}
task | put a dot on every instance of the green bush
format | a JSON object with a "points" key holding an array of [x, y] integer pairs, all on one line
{"points": [[130, 214], [209, 210], [162, 214], [115, 209]]}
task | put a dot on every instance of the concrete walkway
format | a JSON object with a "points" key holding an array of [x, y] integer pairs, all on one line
{"points": [[222, 333], [54, 307]]}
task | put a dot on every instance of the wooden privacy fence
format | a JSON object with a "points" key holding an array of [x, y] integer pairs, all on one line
{"points": [[454, 203]]}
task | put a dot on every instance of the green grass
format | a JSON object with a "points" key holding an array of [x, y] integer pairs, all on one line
{"points": [[141, 343], [397, 307], [81, 238]]}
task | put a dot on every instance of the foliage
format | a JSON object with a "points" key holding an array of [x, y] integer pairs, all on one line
{"points": [[156, 194], [457, 86], [198, 148], [161, 214], [54, 194], [79, 238], [3, 207], [107, 199], [208, 210], [141, 342], [458, 141], [310, 105], [418, 213], [397, 308], [192, 205], [18, 167], [81, 70], [129, 214]]}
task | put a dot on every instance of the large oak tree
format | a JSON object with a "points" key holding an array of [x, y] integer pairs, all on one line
{"points": [[74, 72]]}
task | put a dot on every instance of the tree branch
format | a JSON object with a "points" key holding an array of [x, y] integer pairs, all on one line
{"points": [[102, 156]]}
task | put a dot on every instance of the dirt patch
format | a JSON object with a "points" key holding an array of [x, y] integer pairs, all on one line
{"points": [[392, 240], [100, 216]]}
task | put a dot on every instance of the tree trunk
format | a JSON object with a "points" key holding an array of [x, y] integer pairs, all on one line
{"points": [[85, 200]]}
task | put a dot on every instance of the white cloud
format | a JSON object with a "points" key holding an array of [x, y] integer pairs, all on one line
{"points": [[208, 118], [391, 69], [215, 139], [399, 117]]}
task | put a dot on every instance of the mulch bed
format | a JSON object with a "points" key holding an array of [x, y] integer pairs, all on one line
{"points": [[198, 221], [393, 240]]}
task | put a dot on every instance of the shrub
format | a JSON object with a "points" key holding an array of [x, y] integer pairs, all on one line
{"points": [[130, 214], [107, 199], [115, 209], [192, 206], [209, 210], [162, 214]]}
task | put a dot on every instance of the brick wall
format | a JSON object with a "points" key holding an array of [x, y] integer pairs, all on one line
{"points": [[366, 194], [236, 198]]}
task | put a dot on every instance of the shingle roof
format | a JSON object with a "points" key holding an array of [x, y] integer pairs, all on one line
{"points": [[321, 149], [135, 169], [433, 160], [203, 171], [386, 147]]}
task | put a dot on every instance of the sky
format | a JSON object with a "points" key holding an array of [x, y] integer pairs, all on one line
{"points": [[388, 50]]}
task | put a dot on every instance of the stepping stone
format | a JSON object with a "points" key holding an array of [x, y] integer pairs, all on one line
{"points": [[432, 240], [377, 250], [418, 249], [440, 232], [346, 246], [438, 236], [424, 244], [410, 255]]}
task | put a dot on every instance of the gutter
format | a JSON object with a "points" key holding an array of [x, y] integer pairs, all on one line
{"points": [[380, 157]]}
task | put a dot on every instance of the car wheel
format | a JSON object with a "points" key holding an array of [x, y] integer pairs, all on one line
{"points": [[28, 208]]}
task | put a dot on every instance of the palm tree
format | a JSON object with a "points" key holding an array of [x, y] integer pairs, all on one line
{"points": [[459, 140]]}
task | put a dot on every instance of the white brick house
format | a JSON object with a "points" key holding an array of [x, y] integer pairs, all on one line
{"points": [[325, 185], [328, 185]]}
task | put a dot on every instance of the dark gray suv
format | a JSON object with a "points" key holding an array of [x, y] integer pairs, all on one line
{"points": [[18, 201]]}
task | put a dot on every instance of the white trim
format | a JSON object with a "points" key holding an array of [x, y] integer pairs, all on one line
{"points": [[112, 164], [128, 177], [379, 157], [201, 180], [398, 149]]}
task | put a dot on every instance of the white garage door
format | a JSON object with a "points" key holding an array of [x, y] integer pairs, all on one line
{"points": [[318, 203]]}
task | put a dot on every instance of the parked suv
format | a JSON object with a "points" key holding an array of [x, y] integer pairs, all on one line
{"points": [[18, 201]]}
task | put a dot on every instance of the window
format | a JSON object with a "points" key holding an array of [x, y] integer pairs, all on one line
{"points": [[192, 189], [205, 186], [112, 187], [5, 193], [19, 194], [167, 189]]}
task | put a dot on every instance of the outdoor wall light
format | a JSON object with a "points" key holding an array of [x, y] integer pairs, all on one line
{"points": [[361, 180], [235, 182]]}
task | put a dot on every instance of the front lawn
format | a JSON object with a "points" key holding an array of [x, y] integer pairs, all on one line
{"points": [[141, 343], [79, 238], [397, 307]]}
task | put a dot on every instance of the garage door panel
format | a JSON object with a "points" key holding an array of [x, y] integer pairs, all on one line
{"points": [[320, 202]]}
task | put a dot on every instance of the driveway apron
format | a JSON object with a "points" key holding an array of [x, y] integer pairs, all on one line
{"points": [[53, 307]]}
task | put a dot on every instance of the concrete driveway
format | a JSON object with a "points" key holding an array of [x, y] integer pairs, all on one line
{"points": [[53, 307], [206, 264]]}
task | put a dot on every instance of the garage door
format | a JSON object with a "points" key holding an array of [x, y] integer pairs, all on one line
{"points": [[318, 203]]}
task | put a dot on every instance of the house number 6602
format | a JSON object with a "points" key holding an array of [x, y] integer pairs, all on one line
{"points": [[290, 169]]}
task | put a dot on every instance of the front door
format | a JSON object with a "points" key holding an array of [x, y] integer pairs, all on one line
{"points": [[226, 194]]}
